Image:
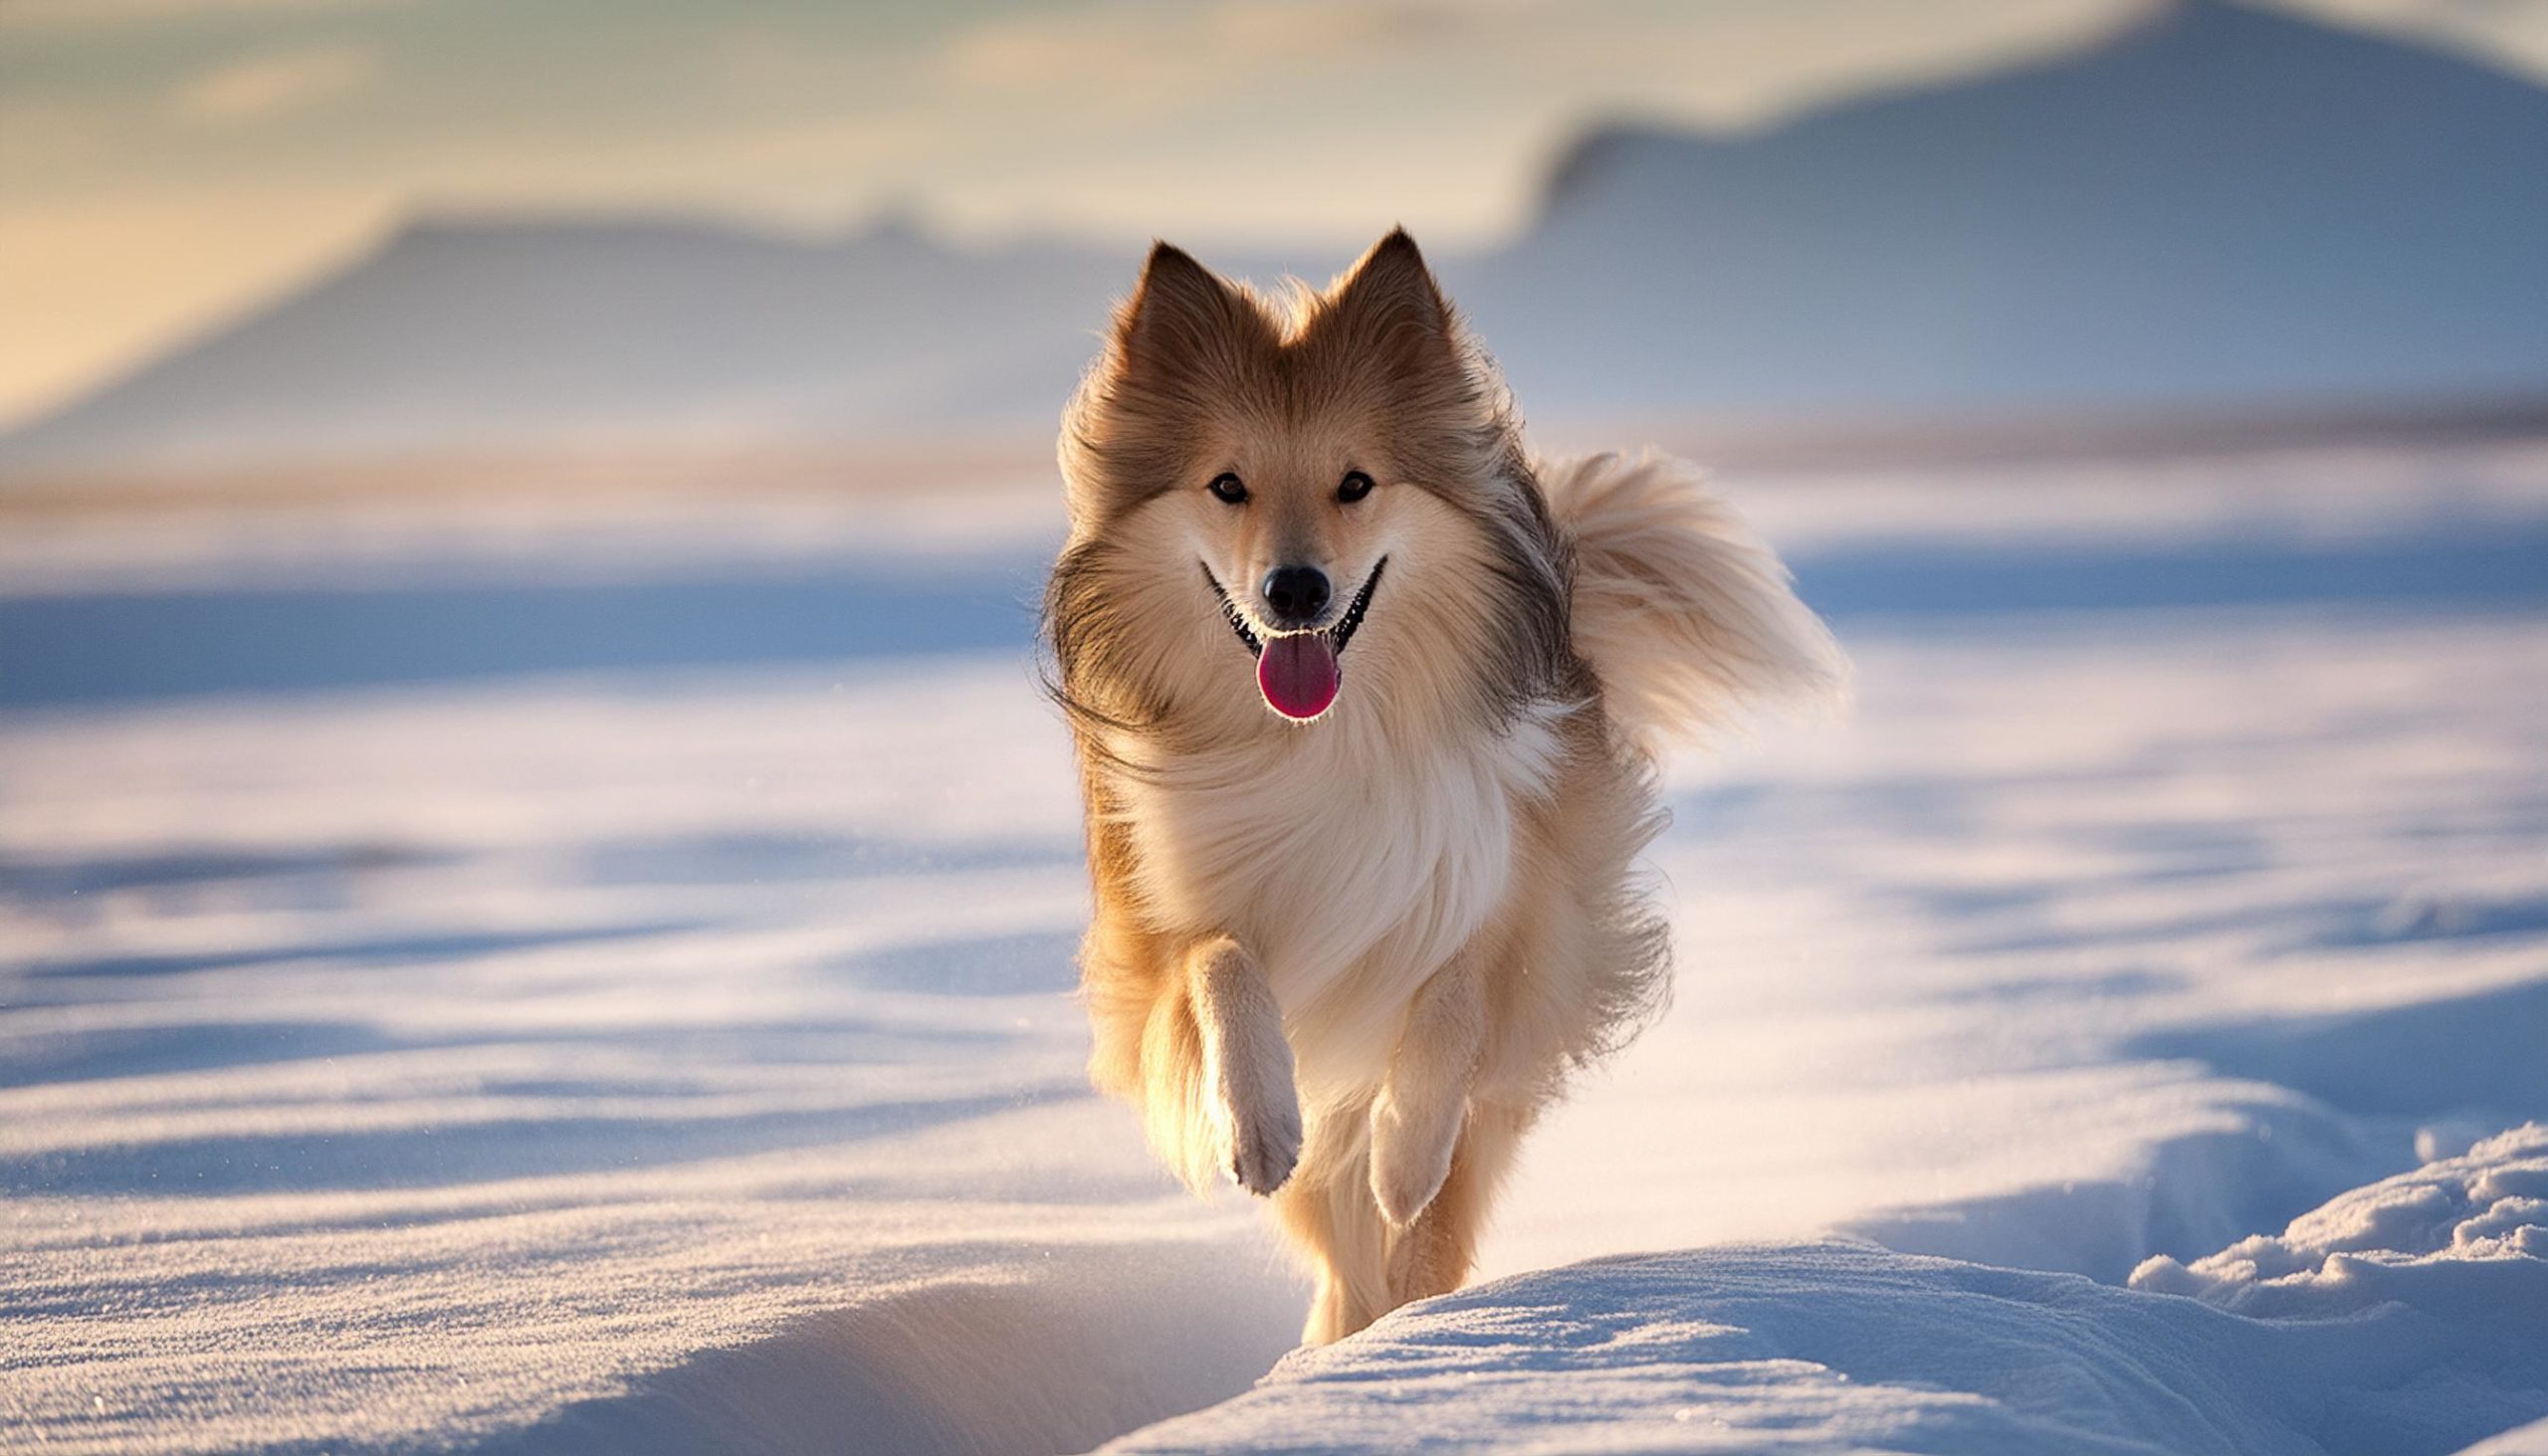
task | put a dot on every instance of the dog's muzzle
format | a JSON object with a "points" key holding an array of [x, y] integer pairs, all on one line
{"points": [[1337, 635]]}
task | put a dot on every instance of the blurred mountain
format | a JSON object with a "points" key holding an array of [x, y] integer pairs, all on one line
{"points": [[500, 332], [2218, 205], [2215, 207]]}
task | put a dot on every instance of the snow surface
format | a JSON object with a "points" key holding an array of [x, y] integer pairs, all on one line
{"points": [[554, 993], [2403, 1317]]}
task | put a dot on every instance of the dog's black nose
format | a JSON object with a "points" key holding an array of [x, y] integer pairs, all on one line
{"points": [[1295, 594]]}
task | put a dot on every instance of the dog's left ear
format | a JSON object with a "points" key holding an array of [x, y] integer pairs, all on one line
{"points": [[1389, 304]]}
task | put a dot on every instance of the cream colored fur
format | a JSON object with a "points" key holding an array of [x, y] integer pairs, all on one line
{"points": [[1684, 614]]}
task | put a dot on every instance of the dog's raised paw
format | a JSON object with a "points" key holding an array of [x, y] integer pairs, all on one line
{"points": [[1264, 1149]]}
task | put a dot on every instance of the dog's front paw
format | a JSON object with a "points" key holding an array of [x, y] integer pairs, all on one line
{"points": [[1251, 1103], [1410, 1157], [1264, 1148], [1258, 1114]]}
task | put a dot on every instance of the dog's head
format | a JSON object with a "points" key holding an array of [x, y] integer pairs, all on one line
{"points": [[1264, 496]]}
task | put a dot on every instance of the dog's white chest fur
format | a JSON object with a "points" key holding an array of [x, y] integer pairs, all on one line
{"points": [[1355, 865]]}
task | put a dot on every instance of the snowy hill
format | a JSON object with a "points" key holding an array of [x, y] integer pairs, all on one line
{"points": [[2218, 206]]}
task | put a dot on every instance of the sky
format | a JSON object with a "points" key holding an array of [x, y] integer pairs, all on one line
{"points": [[167, 163]]}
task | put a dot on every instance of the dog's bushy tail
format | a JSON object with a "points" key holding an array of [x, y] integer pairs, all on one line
{"points": [[1691, 623]]}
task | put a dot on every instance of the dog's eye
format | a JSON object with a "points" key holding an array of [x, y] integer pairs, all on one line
{"points": [[1227, 487], [1355, 486]]}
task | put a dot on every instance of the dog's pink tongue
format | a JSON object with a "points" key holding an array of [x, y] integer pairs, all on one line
{"points": [[1297, 674]]}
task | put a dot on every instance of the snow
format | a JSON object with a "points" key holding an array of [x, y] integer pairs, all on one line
{"points": [[1824, 1345], [574, 989], [2487, 1206]]}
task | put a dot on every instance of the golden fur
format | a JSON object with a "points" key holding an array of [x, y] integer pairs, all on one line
{"points": [[1348, 961]]}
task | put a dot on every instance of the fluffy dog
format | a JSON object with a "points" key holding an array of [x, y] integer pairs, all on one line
{"points": [[1366, 700]]}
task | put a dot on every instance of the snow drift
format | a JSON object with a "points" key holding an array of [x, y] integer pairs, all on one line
{"points": [[2405, 1317]]}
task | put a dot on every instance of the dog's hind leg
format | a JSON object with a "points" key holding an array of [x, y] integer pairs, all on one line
{"points": [[1328, 1214], [1421, 1107]]}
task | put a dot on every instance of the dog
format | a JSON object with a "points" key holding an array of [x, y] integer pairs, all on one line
{"points": [[1367, 702]]}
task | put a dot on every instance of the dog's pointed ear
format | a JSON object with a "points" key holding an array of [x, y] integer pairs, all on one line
{"points": [[1180, 316], [1388, 303]]}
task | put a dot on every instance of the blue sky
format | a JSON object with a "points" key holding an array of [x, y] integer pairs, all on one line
{"points": [[164, 163]]}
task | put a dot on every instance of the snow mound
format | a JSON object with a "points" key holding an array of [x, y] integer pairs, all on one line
{"points": [[2530, 1440], [2373, 1243], [2368, 1327]]}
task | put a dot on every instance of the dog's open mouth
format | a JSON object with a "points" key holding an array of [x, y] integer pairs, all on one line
{"points": [[1299, 671]]}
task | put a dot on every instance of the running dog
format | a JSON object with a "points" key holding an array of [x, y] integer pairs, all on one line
{"points": [[1366, 700]]}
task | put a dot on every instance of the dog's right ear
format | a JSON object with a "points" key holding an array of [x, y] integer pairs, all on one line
{"points": [[1178, 340], [1180, 317]]}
